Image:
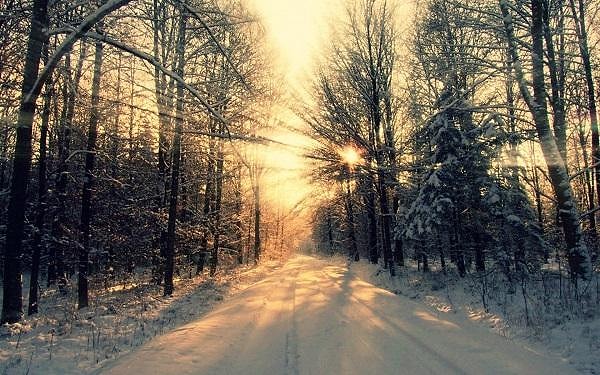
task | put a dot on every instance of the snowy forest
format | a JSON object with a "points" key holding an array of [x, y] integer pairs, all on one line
{"points": [[449, 156]]}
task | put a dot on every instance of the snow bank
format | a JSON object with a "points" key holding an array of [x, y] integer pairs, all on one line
{"points": [[575, 339], [63, 340]]}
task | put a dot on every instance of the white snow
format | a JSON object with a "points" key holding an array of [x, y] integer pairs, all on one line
{"points": [[494, 198], [564, 335], [317, 317], [513, 218], [63, 340], [434, 180]]}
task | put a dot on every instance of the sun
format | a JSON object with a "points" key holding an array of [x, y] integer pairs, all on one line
{"points": [[350, 156]]}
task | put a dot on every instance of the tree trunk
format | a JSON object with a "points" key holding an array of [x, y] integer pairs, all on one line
{"points": [[70, 89], [578, 257], [385, 220], [442, 256], [131, 147], [425, 260], [479, 254], [371, 220], [214, 257], [257, 241], [398, 251], [12, 302], [208, 197], [4, 152], [354, 254], [582, 36], [588, 184], [459, 257], [183, 181], [41, 200], [162, 90], [538, 197], [114, 136], [330, 232], [557, 78], [398, 245], [239, 231], [170, 250], [88, 183]]}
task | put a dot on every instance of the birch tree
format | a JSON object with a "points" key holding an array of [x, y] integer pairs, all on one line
{"points": [[577, 252]]}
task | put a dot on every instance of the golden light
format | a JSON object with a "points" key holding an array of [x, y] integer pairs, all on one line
{"points": [[350, 156], [297, 30]]}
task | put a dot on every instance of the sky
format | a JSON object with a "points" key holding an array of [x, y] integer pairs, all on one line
{"points": [[296, 32]]}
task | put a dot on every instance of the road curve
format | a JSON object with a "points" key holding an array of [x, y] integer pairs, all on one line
{"points": [[311, 317]]}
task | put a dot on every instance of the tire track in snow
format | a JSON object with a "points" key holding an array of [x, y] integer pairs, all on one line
{"points": [[413, 339], [291, 338], [389, 324], [316, 318], [227, 363], [276, 309]]}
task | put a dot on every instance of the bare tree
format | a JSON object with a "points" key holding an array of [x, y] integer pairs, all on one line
{"points": [[578, 256], [12, 300]]}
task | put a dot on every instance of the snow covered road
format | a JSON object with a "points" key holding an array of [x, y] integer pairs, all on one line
{"points": [[312, 317]]}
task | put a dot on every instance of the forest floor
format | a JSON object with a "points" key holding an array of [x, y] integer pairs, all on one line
{"points": [[317, 316], [64, 340]]}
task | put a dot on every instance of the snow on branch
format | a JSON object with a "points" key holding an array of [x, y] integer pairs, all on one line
{"points": [[85, 25], [149, 58], [194, 13]]}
